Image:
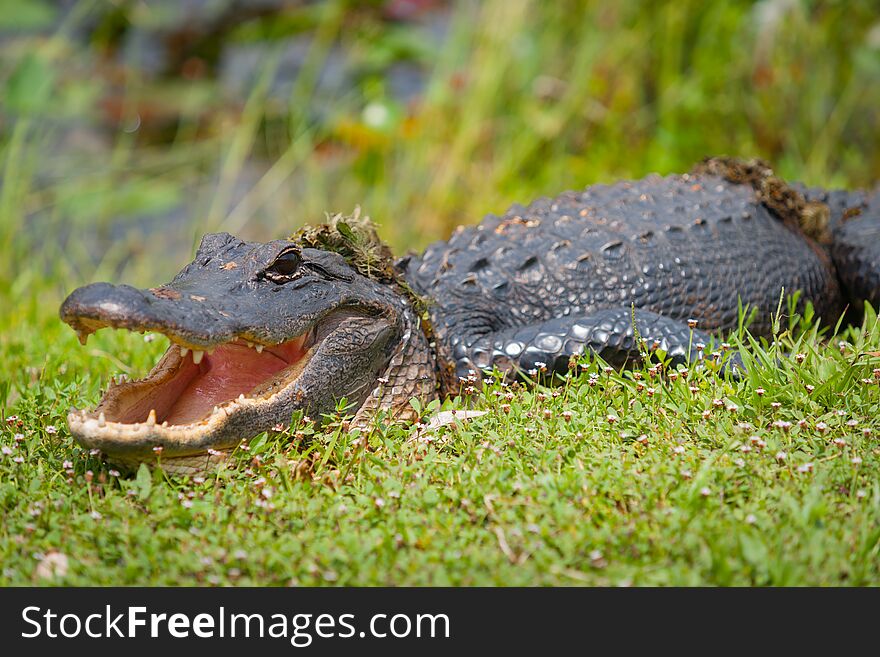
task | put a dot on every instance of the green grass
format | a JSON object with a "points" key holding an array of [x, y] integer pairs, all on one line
{"points": [[610, 478], [524, 99]]}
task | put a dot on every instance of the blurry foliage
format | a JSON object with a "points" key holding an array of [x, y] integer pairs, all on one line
{"points": [[169, 119], [27, 14], [130, 127]]}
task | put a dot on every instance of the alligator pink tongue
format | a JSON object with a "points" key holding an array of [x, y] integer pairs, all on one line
{"points": [[232, 369]]}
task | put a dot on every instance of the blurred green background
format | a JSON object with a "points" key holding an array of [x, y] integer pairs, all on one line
{"points": [[128, 128]]}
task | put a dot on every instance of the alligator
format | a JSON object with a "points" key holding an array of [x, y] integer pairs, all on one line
{"points": [[259, 331]]}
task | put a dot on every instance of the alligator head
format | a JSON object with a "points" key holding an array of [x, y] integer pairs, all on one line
{"points": [[257, 332]]}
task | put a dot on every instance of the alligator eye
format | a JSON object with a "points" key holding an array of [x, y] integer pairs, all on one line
{"points": [[285, 265]]}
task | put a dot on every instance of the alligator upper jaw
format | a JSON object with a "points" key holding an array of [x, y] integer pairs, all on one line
{"points": [[195, 402]]}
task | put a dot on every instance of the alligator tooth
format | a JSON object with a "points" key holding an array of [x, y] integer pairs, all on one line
{"points": [[216, 408], [183, 352], [102, 421], [241, 397], [249, 343], [197, 356], [165, 423], [151, 418], [259, 348]]}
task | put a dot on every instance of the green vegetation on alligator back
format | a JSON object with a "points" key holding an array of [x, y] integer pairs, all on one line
{"points": [[615, 480]]}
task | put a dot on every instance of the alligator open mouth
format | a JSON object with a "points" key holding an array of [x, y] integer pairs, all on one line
{"points": [[258, 332], [191, 398]]}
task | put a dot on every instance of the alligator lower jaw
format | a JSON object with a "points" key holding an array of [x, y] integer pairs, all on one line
{"points": [[194, 406]]}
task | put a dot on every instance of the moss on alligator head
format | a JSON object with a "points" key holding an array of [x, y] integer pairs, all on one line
{"points": [[810, 217], [355, 237]]}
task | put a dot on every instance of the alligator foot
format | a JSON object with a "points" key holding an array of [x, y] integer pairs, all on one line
{"points": [[611, 334]]}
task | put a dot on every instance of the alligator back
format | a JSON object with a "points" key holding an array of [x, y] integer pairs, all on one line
{"points": [[680, 246]]}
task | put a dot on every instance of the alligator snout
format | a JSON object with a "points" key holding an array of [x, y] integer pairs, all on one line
{"points": [[191, 319]]}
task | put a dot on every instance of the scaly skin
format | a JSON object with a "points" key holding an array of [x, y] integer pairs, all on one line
{"points": [[519, 292], [549, 280]]}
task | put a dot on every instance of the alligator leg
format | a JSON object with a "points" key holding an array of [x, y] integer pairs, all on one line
{"points": [[608, 333]]}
